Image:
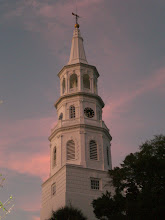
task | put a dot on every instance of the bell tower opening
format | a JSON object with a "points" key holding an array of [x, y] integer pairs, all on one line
{"points": [[63, 85], [86, 81], [73, 81]]}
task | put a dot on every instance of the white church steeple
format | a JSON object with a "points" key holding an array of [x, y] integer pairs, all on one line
{"points": [[80, 149], [77, 54]]}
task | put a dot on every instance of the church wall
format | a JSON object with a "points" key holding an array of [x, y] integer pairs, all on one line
{"points": [[75, 136], [81, 139], [56, 142], [78, 188], [53, 202], [60, 141], [73, 187], [107, 158]]}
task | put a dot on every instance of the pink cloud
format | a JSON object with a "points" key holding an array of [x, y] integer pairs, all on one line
{"points": [[24, 129], [28, 132], [121, 127], [58, 10], [31, 203], [157, 80], [61, 9], [35, 218], [36, 164], [51, 20]]}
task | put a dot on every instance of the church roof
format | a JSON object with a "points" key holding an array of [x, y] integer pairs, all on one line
{"points": [[77, 53]]}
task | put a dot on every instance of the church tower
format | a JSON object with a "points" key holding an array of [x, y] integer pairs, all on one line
{"points": [[80, 153]]}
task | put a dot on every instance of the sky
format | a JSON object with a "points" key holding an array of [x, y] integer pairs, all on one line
{"points": [[123, 39]]}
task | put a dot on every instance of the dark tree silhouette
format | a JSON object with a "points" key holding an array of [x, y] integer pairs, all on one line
{"points": [[139, 185], [67, 213]]}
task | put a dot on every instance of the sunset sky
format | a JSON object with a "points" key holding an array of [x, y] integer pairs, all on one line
{"points": [[124, 39]]}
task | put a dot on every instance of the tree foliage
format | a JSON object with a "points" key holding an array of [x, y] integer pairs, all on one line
{"points": [[139, 185], [5, 207], [108, 206], [68, 213]]}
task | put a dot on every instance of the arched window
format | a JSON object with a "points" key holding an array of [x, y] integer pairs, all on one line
{"points": [[108, 155], [72, 111], [73, 81], [70, 150], [60, 116], [63, 85], [93, 150], [54, 156], [86, 81]]}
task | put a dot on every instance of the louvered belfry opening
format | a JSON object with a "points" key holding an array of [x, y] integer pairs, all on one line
{"points": [[93, 150], [70, 150], [72, 111]]}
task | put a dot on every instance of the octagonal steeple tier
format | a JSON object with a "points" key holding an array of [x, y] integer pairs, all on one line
{"points": [[79, 112], [78, 75]]}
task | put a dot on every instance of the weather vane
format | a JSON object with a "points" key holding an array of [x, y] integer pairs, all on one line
{"points": [[77, 16]]}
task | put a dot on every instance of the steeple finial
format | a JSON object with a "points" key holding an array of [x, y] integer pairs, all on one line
{"points": [[77, 53], [76, 16]]}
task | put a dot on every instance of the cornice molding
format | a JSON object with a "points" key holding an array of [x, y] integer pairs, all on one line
{"points": [[79, 94], [74, 166], [79, 64], [71, 127]]}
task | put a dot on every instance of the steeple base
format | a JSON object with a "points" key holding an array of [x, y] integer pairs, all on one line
{"points": [[74, 186]]}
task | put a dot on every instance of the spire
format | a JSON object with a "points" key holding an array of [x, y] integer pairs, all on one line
{"points": [[77, 53]]}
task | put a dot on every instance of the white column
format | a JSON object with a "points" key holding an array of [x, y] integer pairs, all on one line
{"points": [[61, 86], [79, 82], [83, 148], [66, 83], [103, 153], [96, 87], [50, 160], [61, 140]]}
